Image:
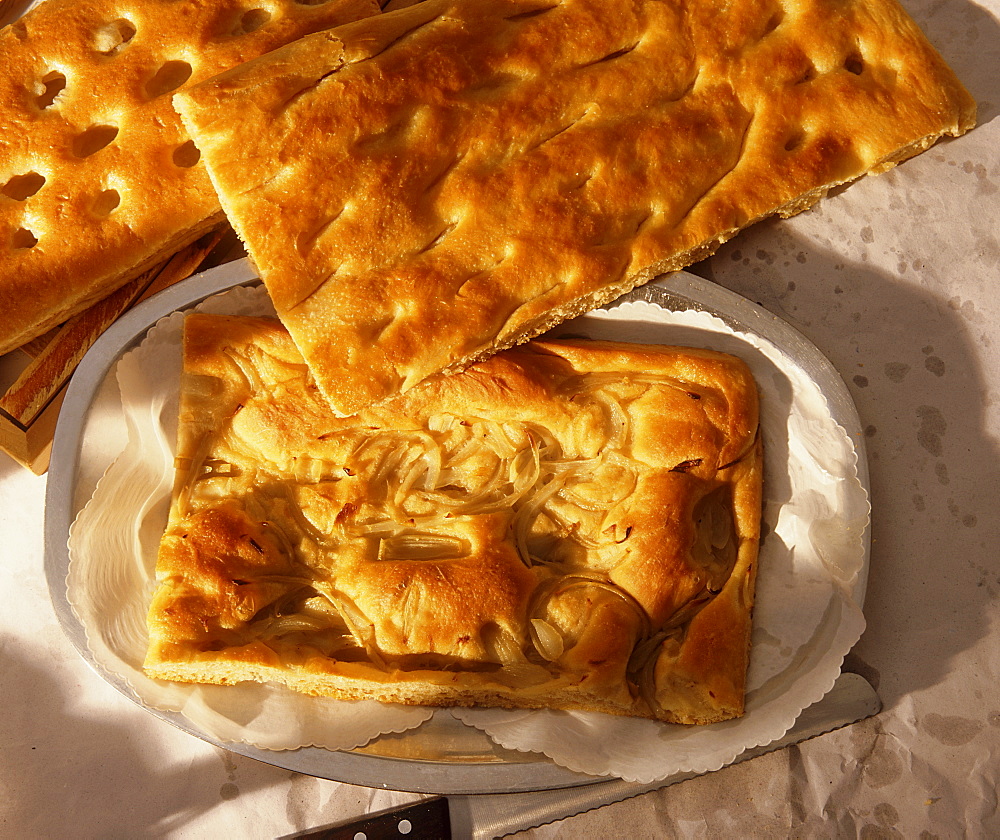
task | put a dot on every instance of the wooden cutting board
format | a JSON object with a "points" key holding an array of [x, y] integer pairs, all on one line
{"points": [[29, 407]]}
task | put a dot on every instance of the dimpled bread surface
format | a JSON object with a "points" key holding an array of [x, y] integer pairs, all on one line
{"points": [[421, 189], [98, 178], [547, 529]]}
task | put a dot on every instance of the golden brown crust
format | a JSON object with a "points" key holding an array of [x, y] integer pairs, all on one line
{"points": [[98, 178], [566, 524], [423, 188]]}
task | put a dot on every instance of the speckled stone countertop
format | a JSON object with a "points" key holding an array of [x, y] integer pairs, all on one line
{"points": [[893, 278]]}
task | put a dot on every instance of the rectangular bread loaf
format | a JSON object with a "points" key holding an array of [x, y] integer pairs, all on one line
{"points": [[421, 189], [568, 524], [98, 179]]}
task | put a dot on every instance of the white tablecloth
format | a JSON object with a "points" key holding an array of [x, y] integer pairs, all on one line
{"points": [[895, 280]]}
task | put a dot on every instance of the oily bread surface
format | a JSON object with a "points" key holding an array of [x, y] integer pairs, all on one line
{"points": [[546, 529], [423, 188], [98, 178]]}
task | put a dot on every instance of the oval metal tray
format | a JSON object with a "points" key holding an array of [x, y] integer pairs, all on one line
{"points": [[437, 757]]}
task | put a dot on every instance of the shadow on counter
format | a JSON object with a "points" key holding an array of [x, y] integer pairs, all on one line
{"points": [[66, 772], [968, 38], [909, 358]]}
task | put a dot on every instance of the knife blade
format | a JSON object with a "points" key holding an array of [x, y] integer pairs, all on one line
{"points": [[489, 816]]}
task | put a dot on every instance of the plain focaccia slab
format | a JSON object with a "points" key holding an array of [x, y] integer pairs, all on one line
{"points": [[424, 188], [98, 178], [548, 528]]}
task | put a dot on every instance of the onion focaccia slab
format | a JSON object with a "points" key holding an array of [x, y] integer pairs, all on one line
{"points": [[98, 179], [569, 525], [423, 188]]}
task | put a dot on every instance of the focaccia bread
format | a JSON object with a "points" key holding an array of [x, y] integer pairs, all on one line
{"points": [[421, 189], [98, 178], [568, 524]]}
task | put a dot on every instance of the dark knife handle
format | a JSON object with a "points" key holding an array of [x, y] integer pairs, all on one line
{"points": [[428, 819]]}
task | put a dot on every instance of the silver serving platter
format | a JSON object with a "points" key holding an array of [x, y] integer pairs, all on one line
{"points": [[438, 757]]}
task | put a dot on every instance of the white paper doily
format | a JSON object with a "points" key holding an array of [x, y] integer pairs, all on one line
{"points": [[806, 616]]}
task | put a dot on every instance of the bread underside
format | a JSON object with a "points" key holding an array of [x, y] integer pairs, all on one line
{"points": [[568, 524], [423, 188], [98, 178]]}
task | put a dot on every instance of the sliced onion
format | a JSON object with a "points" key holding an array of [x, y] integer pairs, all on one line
{"points": [[567, 494], [523, 675], [442, 422], [454, 495], [433, 461], [525, 516], [641, 668], [359, 625], [502, 646], [572, 529], [689, 609], [618, 422], [246, 366], [465, 450], [285, 624], [721, 526], [381, 528], [187, 480], [423, 547], [410, 470], [280, 506], [547, 640], [388, 462], [587, 382], [523, 476], [496, 436], [314, 470], [360, 447], [567, 582]]}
